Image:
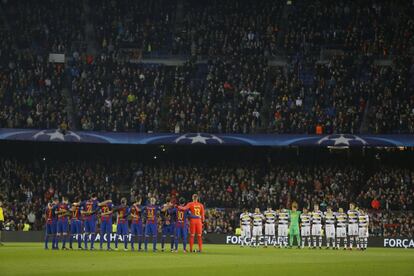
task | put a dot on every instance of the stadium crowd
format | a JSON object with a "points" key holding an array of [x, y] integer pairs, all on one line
{"points": [[372, 27], [30, 86], [334, 100], [134, 24], [220, 28], [30, 94], [228, 99], [386, 191], [234, 89], [115, 96], [392, 101]]}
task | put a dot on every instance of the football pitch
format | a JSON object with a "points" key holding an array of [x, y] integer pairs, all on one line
{"points": [[32, 259]]}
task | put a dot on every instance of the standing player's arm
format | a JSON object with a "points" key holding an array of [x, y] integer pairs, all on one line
{"points": [[164, 207], [96, 209], [64, 212], [54, 209], [323, 221], [159, 214], [289, 220], [82, 208], [109, 212], [67, 212], [202, 214], [93, 211], [133, 215], [59, 212], [139, 209], [144, 214], [82, 211], [100, 204], [187, 206]]}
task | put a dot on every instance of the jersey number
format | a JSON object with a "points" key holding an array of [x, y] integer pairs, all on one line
{"points": [[197, 211], [180, 216], [150, 213]]}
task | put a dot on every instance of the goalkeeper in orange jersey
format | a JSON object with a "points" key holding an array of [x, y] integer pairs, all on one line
{"points": [[196, 222]]}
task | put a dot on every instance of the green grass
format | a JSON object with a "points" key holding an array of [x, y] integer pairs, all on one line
{"points": [[32, 259]]}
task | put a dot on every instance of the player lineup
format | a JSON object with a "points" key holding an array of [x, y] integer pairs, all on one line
{"points": [[306, 227], [79, 219]]}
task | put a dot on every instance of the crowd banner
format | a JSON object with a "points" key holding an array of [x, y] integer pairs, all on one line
{"points": [[231, 240], [274, 140]]}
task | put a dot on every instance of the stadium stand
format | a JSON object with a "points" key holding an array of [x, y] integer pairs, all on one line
{"points": [[225, 67], [225, 188]]}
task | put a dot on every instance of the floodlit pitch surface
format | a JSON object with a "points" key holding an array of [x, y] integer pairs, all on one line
{"points": [[32, 259]]}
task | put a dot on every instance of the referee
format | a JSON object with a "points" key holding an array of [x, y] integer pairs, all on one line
{"points": [[1, 220]]}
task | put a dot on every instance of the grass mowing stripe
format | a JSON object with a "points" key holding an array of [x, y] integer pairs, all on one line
{"points": [[32, 259]]}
